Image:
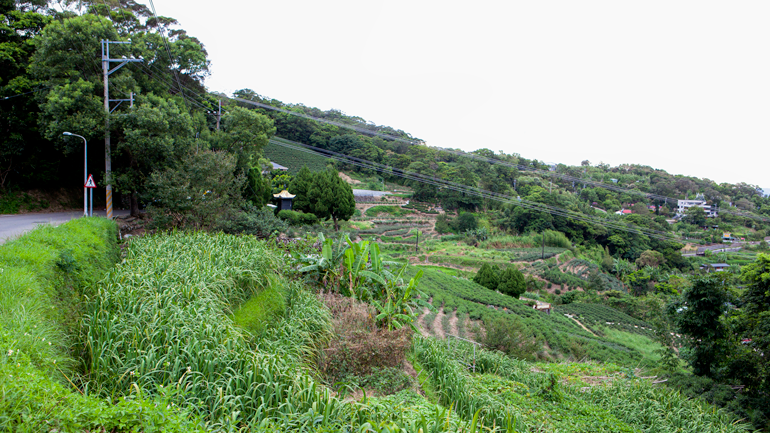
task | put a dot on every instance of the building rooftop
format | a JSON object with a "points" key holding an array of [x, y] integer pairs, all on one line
{"points": [[284, 194]]}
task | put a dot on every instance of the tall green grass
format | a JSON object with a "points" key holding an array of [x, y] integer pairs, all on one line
{"points": [[45, 278], [161, 325]]}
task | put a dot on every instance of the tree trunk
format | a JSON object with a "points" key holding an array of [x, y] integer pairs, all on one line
{"points": [[134, 205], [336, 227]]}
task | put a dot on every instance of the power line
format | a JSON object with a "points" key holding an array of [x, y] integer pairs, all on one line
{"points": [[40, 89], [441, 183], [168, 51], [483, 158]]}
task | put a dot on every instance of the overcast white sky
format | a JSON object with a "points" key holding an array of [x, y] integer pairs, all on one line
{"points": [[678, 85]]}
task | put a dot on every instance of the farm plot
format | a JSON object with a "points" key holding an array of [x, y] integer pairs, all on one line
{"points": [[508, 391], [596, 316], [561, 334], [293, 159]]}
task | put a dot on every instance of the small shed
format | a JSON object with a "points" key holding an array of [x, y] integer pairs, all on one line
{"points": [[284, 200], [715, 267], [542, 306]]}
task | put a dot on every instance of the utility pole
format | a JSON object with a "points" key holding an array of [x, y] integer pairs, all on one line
{"points": [[217, 113], [106, 72]]}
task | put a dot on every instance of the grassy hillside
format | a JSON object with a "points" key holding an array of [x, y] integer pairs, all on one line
{"points": [[201, 332], [292, 159]]}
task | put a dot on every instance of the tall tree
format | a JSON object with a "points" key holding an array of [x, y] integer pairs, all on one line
{"points": [[488, 276], [755, 321], [244, 133], [699, 316], [512, 282], [19, 137], [156, 134], [332, 197], [300, 187]]}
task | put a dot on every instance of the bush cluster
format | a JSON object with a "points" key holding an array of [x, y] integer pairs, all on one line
{"points": [[297, 218]]}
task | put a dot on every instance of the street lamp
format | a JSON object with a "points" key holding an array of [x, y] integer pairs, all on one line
{"points": [[85, 172]]}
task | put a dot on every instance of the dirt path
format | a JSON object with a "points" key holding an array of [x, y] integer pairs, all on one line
{"points": [[421, 322], [583, 326], [453, 328], [438, 329]]}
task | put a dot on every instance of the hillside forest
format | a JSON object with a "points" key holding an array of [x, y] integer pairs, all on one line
{"points": [[409, 288]]}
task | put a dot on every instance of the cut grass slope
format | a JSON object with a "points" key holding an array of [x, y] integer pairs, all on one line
{"points": [[45, 277]]}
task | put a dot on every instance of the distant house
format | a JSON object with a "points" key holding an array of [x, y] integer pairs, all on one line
{"points": [[624, 212], [683, 205], [714, 267], [275, 166]]}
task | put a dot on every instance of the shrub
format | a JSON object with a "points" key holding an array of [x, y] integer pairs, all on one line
{"points": [[510, 336], [557, 291], [297, 218], [442, 225], [198, 193], [252, 221]]}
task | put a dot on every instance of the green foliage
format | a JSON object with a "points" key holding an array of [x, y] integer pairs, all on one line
{"points": [[47, 276], [512, 338], [280, 181], [699, 316], [12, 202], [359, 271], [297, 218], [331, 197], [695, 215], [650, 258], [596, 316], [252, 221], [755, 323], [488, 276], [262, 310], [442, 224], [464, 222], [512, 282], [300, 187], [196, 194], [257, 190], [188, 342], [394, 211], [244, 133]]}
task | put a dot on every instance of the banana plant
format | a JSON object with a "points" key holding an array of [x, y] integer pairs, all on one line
{"points": [[356, 259], [326, 267], [397, 309]]}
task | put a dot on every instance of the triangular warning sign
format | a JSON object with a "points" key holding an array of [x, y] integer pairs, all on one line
{"points": [[90, 182]]}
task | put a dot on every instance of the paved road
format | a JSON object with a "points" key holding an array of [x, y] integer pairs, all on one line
{"points": [[12, 226]]}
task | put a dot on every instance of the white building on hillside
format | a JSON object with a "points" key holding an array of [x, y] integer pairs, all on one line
{"points": [[683, 205]]}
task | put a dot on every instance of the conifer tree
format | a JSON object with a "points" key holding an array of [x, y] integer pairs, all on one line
{"points": [[300, 187], [488, 276], [512, 282], [331, 197]]}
